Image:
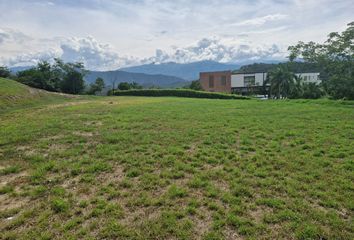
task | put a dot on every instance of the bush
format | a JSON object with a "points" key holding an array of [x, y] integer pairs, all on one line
{"points": [[312, 91], [177, 93], [128, 86], [4, 72]]}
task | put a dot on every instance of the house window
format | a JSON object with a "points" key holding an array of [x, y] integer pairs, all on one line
{"points": [[223, 80], [305, 78], [211, 81], [249, 81]]}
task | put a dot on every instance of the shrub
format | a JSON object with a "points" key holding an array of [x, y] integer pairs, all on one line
{"points": [[176, 93]]}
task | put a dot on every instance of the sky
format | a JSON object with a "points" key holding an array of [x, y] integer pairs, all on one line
{"points": [[110, 34]]}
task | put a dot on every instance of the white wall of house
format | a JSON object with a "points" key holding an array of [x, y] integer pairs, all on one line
{"points": [[310, 77], [237, 80]]}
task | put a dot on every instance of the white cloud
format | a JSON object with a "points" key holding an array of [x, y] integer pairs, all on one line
{"points": [[261, 20], [93, 54], [221, 50], [8, 35], [99, 56], [88, 50]]}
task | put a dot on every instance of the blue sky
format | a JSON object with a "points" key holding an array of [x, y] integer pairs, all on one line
{"points": [[107, 34]]}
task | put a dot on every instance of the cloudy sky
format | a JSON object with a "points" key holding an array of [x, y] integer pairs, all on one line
{"points": [[108, 34]]}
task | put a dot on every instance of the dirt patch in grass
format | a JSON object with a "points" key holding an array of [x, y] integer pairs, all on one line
{"points": [[61, 105], [93, 123], [231, 234], [139, 215], [202, 221], [114, 176], [57, 147], [15, 179], [193, 148], [83, 134], [23, 148], [8, 202], [258, 213]]}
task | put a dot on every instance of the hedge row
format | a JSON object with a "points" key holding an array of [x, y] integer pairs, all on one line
{"points": [[177, 93]]}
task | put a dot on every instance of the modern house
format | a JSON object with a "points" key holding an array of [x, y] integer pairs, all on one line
{"points": [[216, 81], [243, 83]]}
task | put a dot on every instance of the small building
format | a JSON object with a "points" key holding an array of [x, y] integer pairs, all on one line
{"points": [[244, 83], [216, 81]]}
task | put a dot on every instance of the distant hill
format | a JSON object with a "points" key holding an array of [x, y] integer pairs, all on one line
{"points": [[187, 71], [146, 80], [19, 69]]}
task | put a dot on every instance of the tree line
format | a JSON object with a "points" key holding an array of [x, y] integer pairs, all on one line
{"points": [[334, 59], [57, 77]]}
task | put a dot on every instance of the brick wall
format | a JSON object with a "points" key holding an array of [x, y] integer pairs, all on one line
{"points": [[216, 81]]}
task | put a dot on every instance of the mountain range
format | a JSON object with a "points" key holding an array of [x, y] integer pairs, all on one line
{"points": [[146, 80], [163, 75], [187, 71]]}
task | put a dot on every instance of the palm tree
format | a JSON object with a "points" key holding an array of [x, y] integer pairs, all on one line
{"points": [[297, 88], [281, 81]]}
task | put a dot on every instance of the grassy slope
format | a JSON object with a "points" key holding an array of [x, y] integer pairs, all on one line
{"points": [[16, 95], [137, 168]]}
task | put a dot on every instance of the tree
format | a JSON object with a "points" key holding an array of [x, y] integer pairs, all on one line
{"points": [[64, 77], [297, 87], [123, 86], [73, 82], [40, 76], [281, 80], [72, 75], [97, 86], [195, 85], [336, 57], [4, 72], [312, 91], [135, 85]]}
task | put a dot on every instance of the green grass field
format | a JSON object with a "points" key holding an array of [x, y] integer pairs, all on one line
{"points": [[174, 168]]}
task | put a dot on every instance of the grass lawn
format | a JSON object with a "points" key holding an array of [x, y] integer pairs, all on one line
{"points": [[175, 168]]}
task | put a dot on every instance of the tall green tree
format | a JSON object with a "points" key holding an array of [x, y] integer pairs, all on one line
{"points": [[4, 72], [281, 81], [297, 87], [40, 76], [336, 58], [124, 86], [97, 86], [195, 85], [60, 76], [72, 75]]}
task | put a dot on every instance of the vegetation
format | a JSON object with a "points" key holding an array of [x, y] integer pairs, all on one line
{"points": [[14, 94], [146, 168], [336, 57], [59, 77], [177, 93], [128, 86], [96, 87], [296, 67], [286, 84], [4, 72], [281, 82], [195, 85]]}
